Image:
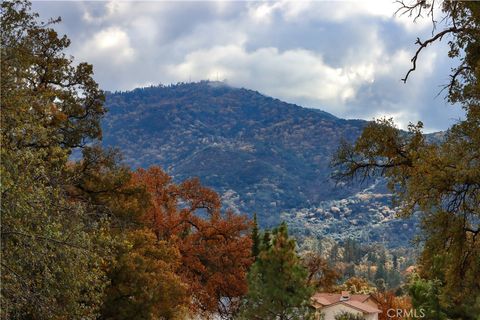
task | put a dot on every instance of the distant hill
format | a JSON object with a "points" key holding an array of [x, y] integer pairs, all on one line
{"points": [[261, 154]]}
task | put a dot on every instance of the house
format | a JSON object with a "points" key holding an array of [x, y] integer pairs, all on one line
{"points": [[332, 304], [411, 269]]}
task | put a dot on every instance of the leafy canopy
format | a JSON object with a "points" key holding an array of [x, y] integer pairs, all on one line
{"points": [[440, 179], [214, 247], [53, 250]]}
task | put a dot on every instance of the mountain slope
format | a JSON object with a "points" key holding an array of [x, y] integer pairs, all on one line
{"points": [[263, 155]]}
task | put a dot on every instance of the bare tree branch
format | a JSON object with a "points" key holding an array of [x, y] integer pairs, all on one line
{"points": [[424, 44]]}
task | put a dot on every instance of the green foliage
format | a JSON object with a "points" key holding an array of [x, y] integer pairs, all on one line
{"points": [[352, 251], [278, 286], [105, 184], [442, 180], [49, 100], [255, 237], [53, 249], [349, 316], [425, 297], [380, 273], [74, 241], [144, 284]]}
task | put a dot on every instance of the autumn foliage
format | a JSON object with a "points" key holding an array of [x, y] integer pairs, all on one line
{"points": [[214, 247], [320, 274], [388, 301], [357, 285]]}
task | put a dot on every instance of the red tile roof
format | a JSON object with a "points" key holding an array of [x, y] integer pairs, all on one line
{"points": [[356, 301], [362, 306], [335, 297]]}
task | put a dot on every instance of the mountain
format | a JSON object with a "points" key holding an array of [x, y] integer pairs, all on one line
{"points": [[261, 154]]}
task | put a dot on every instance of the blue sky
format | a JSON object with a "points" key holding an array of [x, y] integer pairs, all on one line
{"points": [[344, 57]]}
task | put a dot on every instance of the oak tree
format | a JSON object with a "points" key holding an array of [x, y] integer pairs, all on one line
{"points": [[214, 246], [143, 280], [441, 179], [321, 275], [52, 250]]}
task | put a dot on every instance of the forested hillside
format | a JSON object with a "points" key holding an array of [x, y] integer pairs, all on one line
{"points": [[261, 154], [232, 139]]}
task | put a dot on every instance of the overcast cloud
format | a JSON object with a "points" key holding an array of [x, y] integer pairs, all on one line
{"points": [[346, 58]]}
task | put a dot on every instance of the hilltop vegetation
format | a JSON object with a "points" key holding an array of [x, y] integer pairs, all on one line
{"points": [[261, 154], [237, 139]]}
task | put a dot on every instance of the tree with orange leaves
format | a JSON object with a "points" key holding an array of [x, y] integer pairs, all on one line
{"points": [[388, 301], [215, 247], [321, 275]]}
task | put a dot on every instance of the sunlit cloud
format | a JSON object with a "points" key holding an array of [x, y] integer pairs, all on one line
{"points": [[112, 44]]}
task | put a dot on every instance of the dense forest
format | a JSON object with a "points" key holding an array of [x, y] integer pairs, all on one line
{"points": [[89, 237], [260, 154], [274, 156]]}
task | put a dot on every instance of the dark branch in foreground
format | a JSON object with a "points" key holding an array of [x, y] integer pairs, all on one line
{"points": [[424, 44]]}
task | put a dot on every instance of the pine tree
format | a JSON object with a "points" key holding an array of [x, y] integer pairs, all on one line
{"points": [[266, 241], [278, 286], [255, 237]]}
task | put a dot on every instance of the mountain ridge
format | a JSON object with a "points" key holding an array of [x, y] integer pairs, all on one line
{"points": [[260, 154]]}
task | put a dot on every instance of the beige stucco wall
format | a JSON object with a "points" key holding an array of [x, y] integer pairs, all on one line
{"points": [[331, 311], [372, 316]]}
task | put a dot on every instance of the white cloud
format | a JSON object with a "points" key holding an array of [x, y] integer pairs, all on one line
{"points": [[346, 57], [401, 118], [294, 75], [111, 43], [262, 12]]}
